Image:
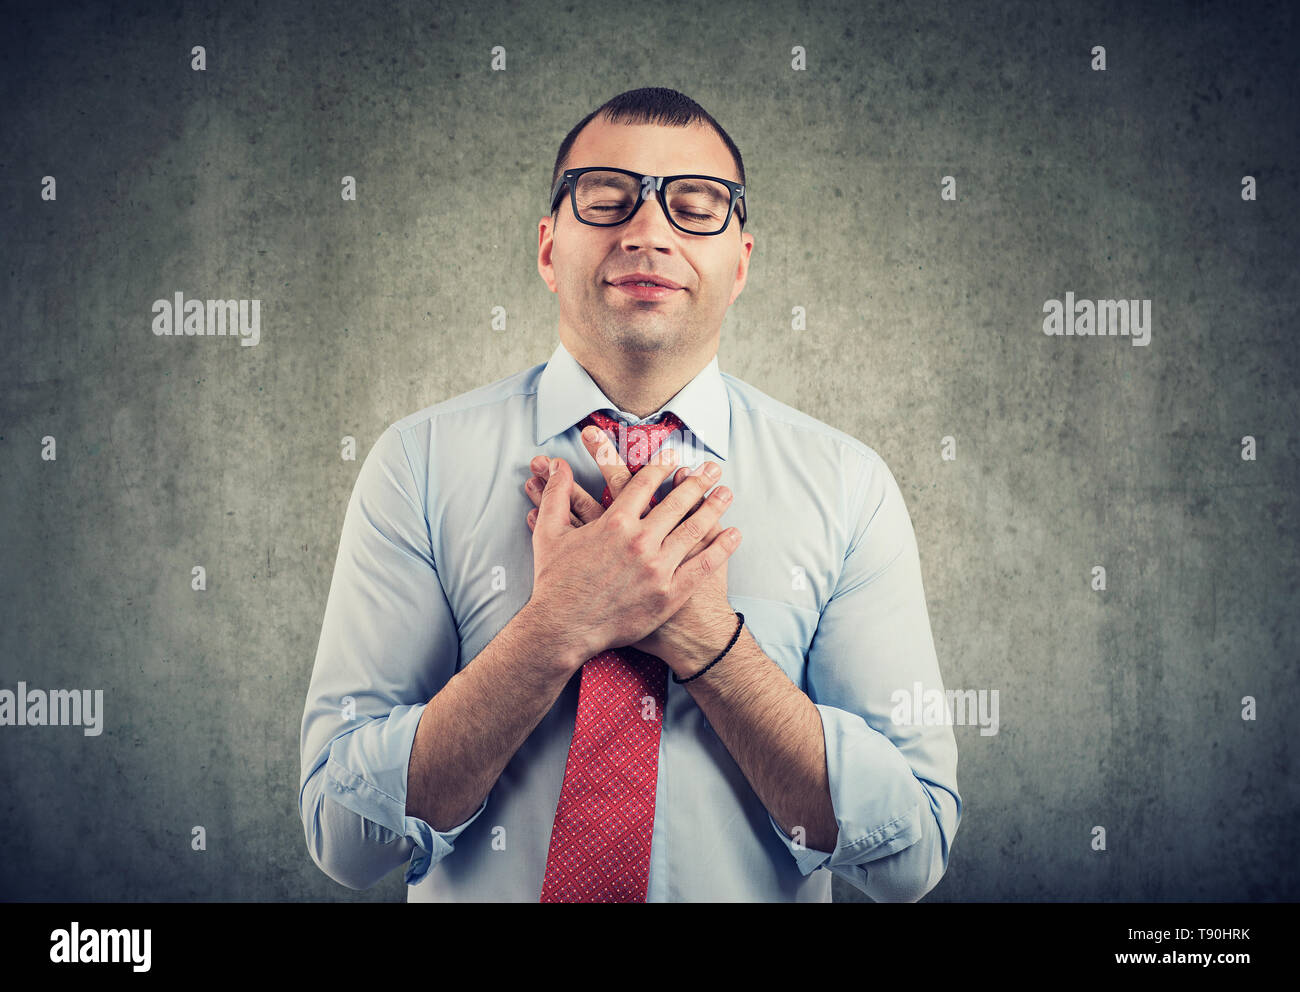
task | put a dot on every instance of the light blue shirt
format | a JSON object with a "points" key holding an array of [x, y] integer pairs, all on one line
{"points": [[436, 557]]}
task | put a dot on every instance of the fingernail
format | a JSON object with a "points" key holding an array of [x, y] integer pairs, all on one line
{"points": [[553, 465], [711, 471]]}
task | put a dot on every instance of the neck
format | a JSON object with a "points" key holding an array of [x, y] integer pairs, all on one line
{"points": [[638, 382]]}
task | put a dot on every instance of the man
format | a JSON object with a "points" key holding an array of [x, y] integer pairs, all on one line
{"points": [[635, 704]]}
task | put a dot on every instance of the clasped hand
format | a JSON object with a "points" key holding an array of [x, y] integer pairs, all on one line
{"points": [[620, 576]]}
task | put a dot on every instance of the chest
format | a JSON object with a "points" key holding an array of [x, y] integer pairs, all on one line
{"points": [[780, 577]]}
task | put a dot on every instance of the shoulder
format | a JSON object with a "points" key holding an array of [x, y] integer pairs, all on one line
{"points": [[474, 413], [478, 401], [766, 415]]}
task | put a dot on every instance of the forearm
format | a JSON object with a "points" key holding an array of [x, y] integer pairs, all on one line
{"points": [[475, 723], [774, 732]]}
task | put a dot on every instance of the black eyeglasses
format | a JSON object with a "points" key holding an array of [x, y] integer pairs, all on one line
{"points": [[605, 197]]}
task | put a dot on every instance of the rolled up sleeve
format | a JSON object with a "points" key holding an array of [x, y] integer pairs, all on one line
{"points": [[388, 643], [893, 784]]}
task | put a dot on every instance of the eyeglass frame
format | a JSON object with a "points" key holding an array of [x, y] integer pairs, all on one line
{"points": [[570, 176]]}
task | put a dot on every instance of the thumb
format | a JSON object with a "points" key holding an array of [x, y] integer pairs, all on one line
{"points": [[553, 514]]}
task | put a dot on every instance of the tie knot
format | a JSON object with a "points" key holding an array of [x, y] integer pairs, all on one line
{"points": [[642, 440]]}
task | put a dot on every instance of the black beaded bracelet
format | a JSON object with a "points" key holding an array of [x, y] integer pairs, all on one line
{"points": [[719, 657]]}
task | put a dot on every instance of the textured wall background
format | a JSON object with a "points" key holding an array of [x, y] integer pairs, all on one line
{"points": [[1120, 708]]}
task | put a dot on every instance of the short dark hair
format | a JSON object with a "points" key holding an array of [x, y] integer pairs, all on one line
{"points": [[649, 105]]}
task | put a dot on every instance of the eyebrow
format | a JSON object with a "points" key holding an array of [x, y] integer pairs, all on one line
{"points": [[700, 187], [614, 181]]}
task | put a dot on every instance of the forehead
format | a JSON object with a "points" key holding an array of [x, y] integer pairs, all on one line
{"points": [[654, 149]]}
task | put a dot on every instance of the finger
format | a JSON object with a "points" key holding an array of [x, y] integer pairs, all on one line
{"points": [[680, 476], [532, 520], [705, 564], [635, 496], [703, 542], [608, 460], [691, 531], [699, 548], [534, 486], [669, 513], [584, 508], [553, 514]]}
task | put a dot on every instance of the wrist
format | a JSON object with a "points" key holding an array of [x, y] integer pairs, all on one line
{"points": [[565, 650], [692, 650]]}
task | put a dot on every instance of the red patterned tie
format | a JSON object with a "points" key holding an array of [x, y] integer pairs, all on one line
{"points": [[600, 841]]}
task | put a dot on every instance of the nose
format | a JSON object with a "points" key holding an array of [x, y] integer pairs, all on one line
{"points": [[648, 226]]}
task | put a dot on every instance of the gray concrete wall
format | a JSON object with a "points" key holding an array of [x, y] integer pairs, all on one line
{"points": [[1119, 708]]}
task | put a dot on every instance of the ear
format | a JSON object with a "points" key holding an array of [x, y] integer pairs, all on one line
{"points": [[545, 242]]}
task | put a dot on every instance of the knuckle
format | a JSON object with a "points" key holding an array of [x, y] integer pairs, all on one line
{"points": [[639, 544], [692, 530], [650, 573], [663, 591]]}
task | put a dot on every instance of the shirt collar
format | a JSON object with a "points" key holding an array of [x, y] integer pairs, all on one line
{"points": [[566, 394]]}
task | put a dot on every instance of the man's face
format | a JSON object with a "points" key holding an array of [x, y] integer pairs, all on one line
{"points": [[578, 261]]}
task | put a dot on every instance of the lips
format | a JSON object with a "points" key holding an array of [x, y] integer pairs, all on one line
{"points": [[648, 294], [636, 277]]}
